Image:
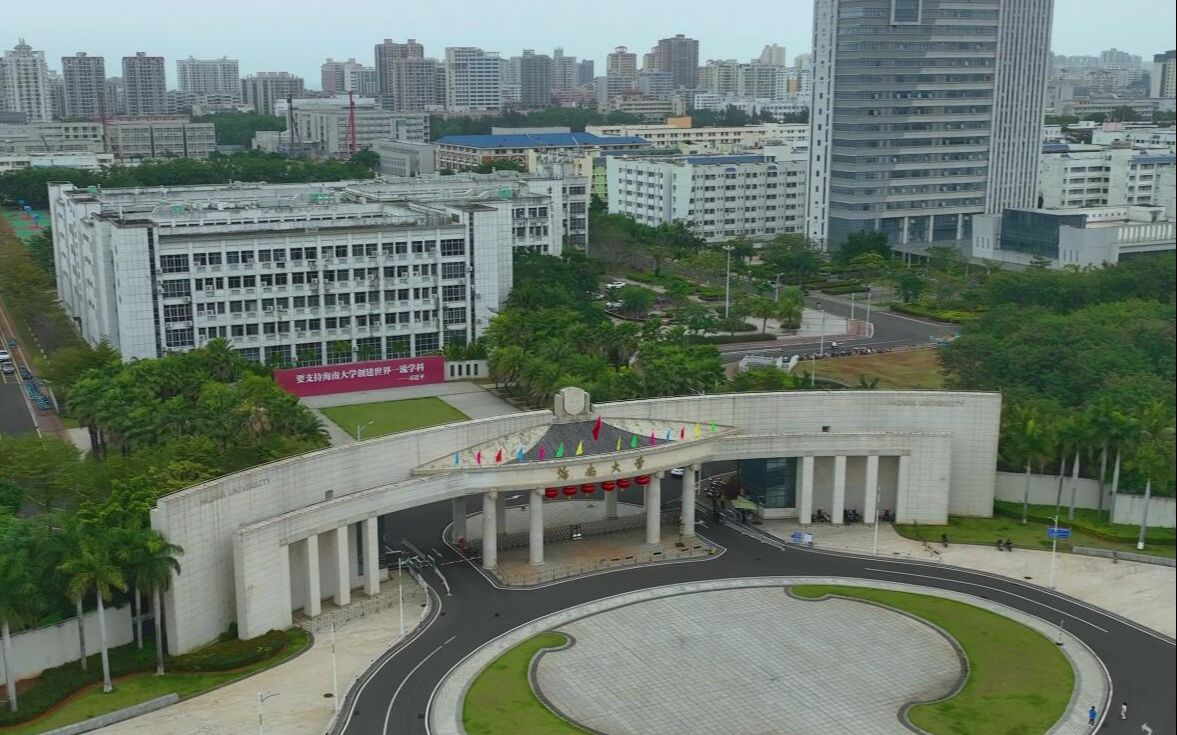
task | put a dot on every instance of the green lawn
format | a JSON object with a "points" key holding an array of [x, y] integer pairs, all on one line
{"points": [[141, 687], [1019, 683], [969, 530], [500, 701], [390, 417]]}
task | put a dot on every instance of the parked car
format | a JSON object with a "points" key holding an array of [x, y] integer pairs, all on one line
{"points": [[612, 304], [4, 356], [616, 284], [7, 368]]}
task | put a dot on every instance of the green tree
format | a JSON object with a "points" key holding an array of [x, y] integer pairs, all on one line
{"points": [[95, 569], [18, 597], [910, 285], [367, 158], [152, 562], [697, 318], [1153, 456], [635, 300], [863, 241], [1024, 441], [1124, 113], [763, 379], [790, 307], [790, 255]]}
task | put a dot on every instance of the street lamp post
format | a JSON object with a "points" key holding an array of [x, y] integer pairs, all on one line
{"points": [[1053, 548], [360, 429], [334, 672], [821, 348], [261, 698], [727, 289], [876, 543], [868, 309], [400, 597]]}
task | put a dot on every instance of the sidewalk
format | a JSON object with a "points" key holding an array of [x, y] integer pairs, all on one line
{"points": [[1143, 593], [301, 707]]}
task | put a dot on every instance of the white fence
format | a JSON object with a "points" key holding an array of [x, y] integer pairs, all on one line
{"points": [[466, 370], [1162, 512], [38, 649]]}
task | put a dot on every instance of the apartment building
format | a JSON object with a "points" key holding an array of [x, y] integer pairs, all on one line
{"points": [[24, 83], [406, 80], [84, 78], [58, 137], [145, 84], [265, 88], [677, 131], [918, 123], [295, 273], [722, 197], [325, 124], [1092, 176], [679, 55], [472, 80], [160, 137], [212, 77]]}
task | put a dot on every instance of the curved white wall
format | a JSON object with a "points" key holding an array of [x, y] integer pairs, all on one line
{"points": [[221, 522]]}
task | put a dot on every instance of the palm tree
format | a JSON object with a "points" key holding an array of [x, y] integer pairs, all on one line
{"points": [[1125, 432], [221, 360], [17, 596], [94, 568], [153, 562], [1081, 437], [1154, 455], [84, 398], [1024, 440], [790, 306]]}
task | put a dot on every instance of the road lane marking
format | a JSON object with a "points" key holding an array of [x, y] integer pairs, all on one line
{"points": [[388, 714], [987, 587]]}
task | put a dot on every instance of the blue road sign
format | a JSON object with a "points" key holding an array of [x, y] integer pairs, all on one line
{"points": [[1058, 533]]}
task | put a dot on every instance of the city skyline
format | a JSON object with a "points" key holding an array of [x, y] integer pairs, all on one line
{"points": [[299, 47]]}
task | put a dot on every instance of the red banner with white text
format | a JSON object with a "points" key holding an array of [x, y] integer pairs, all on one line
{"points": [[353, 376]]}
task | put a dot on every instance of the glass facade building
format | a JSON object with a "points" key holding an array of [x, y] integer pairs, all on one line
{"points": [[770, 482]]}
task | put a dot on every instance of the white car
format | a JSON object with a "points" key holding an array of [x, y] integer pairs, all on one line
{"points": [[678, 471], [4, 356], [616, 284], [612, 304]]}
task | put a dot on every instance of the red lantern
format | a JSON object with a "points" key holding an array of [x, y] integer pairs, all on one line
{"points": [[551, 492], [570, 490], [608, 486], [623, 483], [588, 488], [642, 480]]}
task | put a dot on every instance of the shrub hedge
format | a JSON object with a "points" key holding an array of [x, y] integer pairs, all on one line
{"points": [[232, 654], [733, 324], [724, 339], [844, 288], [1085, 521], [952, 316]]}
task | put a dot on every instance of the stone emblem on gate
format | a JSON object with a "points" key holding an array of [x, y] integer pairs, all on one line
{"points": [[562, 473], [640, 462], [591, 471], [616, 467]]}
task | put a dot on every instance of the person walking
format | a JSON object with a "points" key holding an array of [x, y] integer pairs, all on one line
{"points": [[1091, 715], [1123, 710]]}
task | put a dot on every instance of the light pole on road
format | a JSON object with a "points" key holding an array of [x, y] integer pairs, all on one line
{"points": [[360, 429], [261, 698], [727, 288]]}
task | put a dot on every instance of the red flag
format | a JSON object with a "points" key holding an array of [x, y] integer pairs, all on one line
{"points": [[651, 438], [682, 432], [499, 456], [478, 457], [597, 429]]}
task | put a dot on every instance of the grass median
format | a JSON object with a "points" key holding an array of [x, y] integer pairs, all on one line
{"points": [[501, 702], [1019, 683], [391, 417]]}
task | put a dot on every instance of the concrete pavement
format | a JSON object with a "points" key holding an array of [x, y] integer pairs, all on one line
{"points": [[1143, 593]]}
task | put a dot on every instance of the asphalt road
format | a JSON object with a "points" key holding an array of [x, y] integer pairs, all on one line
{"points": [[394, 698], [891, 330]]}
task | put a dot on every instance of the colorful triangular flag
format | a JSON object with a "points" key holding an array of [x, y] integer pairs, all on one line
{"points": [[499, 455], [618, 442], [682, 433], [668, 435], [519, 455], [456, 460], [713, 429], [541, 454], [698, 431], [478, 457], [560, 450], [579, 448], [633, 442], [597, 429], [651, 438]]}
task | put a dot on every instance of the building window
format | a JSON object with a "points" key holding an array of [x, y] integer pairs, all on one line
{"points": [[173, 263]]}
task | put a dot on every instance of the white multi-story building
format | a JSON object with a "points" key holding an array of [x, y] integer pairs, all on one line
{"points": [[24, 83], [341, 77], [472, 79], [1137, 137], [145, 84], [326, 124], [58, 137], [85, 85], [265, 88], [88, 161], [1163, 81], [788, 104], [160, 137], [918, 122], [678, 131], [721, 197], [1092, 176], [306, 273], [209, 76], [406, 158]]}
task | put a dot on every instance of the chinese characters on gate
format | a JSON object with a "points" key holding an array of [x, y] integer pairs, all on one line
{"points": [[412, 371]]}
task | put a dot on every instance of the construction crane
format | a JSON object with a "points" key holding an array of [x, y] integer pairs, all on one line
{"points": [[351, 123]]}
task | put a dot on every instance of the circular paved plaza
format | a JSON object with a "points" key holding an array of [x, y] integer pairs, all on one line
{"points": [[753, 661]]}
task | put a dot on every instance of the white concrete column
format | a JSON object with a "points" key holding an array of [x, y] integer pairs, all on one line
{"points": [[314, 604], [869, 511], [371, 558], [535, 539], [490, 544], [901, 489], [342, 568], [653, 497], [611, 503], [458, 530], [839, 502], [688, 501], [805, 503], [501, 512]]}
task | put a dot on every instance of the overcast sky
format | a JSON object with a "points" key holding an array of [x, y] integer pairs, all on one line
{"points": [[297, 35]]}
